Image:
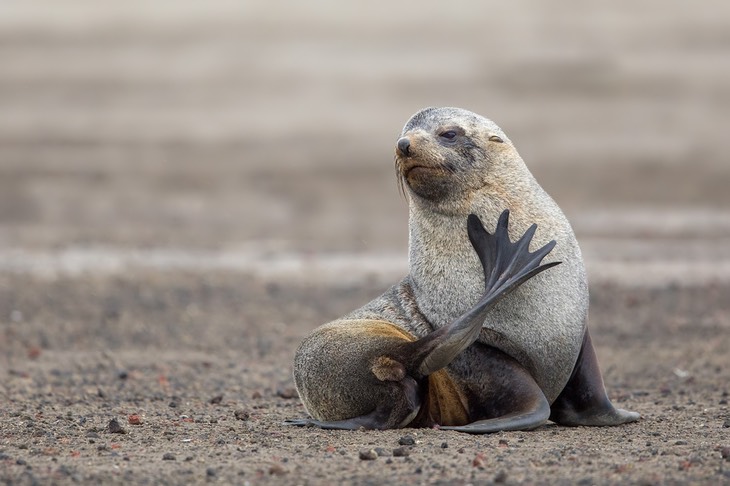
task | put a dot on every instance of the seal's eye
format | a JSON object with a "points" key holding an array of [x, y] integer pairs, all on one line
{"points": [[495, 138], [448, 134]]}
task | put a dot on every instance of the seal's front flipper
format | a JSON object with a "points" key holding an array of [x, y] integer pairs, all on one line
{"points": [[583, 401], [528, 419], [506, 266], [505, 395]]}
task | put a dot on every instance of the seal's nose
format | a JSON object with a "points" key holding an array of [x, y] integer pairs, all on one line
{"points": [[404, 146]]}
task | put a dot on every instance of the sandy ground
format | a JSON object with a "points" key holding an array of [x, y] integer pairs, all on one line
{"points": [[188, 189]]}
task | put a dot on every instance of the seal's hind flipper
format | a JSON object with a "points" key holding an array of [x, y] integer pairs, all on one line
{"points": [[506, 266], [584, 401]]}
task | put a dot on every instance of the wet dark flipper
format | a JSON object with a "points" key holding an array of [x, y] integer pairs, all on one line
{"points": [[584, 401], [506, 266], [506, 396], [534, 414]]}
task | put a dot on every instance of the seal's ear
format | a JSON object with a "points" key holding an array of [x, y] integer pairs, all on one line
{"points": [[506, 266]]}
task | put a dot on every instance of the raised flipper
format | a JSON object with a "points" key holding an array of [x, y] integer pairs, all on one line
{"points": [[506, 266], [584, 401]]}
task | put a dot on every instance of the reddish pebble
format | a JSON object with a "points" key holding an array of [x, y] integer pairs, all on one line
{"points": [[478, 460], [134, 419]]}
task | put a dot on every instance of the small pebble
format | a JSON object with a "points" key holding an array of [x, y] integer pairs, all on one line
{"points": [[368, 454], [407, 440], [401, 452], [114, 427], [444, 445], [725, 453], [726, 424], [501, 477], [210, 472], [287, 393], [681, 442], [381, 452], [241, 415], [277, 470], [168, 456], [216, 399], [478, 460]]}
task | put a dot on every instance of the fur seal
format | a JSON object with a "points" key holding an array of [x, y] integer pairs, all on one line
{"points": [[465, 342]]}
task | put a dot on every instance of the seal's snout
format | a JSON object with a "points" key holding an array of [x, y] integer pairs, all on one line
{"points": [[404, 147]]}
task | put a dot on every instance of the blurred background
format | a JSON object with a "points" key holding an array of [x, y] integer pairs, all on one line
{"points": [[227, 133]]}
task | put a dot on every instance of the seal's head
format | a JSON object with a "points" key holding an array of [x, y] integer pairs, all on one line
{"points": [[446, 153]]}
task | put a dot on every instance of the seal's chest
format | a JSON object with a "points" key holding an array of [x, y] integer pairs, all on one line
{"points": [[447, 289]]}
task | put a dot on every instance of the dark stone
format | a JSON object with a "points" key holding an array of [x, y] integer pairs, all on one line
{"points": [[407, 440]]}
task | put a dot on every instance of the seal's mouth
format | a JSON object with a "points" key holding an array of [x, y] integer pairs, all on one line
{"points": [[408, 166], [418, 176]]}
